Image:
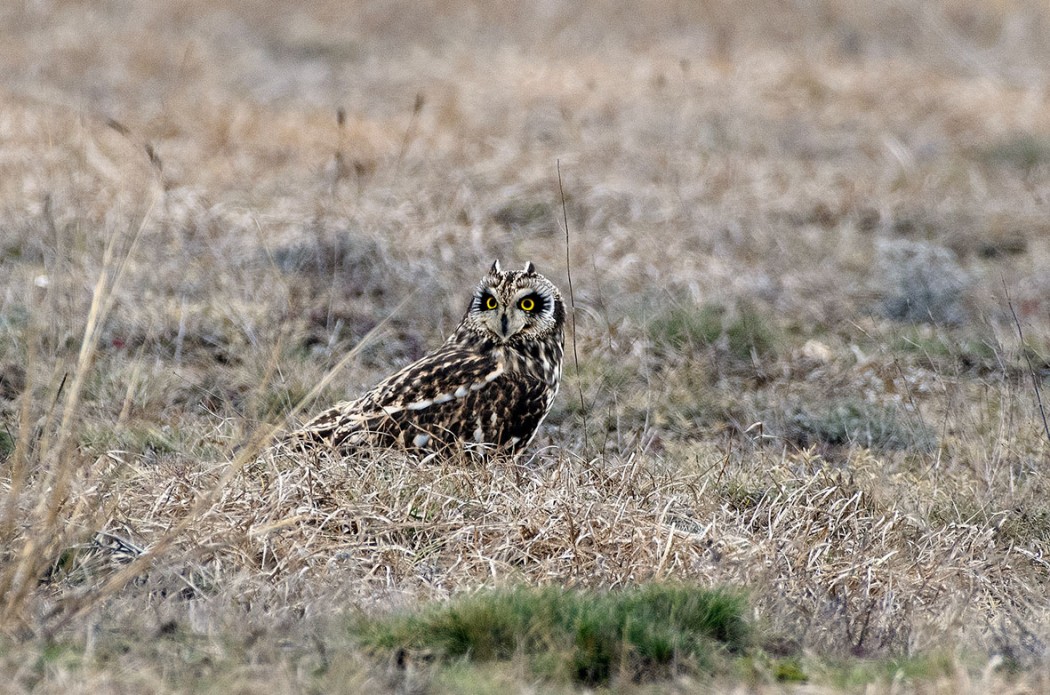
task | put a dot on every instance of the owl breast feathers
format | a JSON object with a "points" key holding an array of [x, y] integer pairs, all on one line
{"points": [[490, 385]]}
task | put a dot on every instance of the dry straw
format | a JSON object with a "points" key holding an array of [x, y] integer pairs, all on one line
{"points": [[57, 463]]}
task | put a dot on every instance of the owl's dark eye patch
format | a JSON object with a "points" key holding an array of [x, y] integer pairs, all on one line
{"points": [[488, 302], [531, 303]]}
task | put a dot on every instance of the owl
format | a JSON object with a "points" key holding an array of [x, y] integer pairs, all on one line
{"points": [[489, 386]]}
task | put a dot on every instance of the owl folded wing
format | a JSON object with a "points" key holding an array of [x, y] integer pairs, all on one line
{"points": [[448, 397]]}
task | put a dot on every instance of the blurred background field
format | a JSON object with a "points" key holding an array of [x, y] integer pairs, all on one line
{"points": [[810, 255]]}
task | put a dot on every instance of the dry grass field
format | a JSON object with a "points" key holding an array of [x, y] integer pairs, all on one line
{"points": [[809, 247]]}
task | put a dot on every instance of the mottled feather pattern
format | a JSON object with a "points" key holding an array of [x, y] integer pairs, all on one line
{"points": [[490, 384]]}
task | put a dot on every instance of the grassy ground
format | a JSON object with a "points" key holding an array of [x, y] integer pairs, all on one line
{"points": [[809, 250]]}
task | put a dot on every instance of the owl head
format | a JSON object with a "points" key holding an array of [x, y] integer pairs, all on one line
{"points": [[515, 306]]}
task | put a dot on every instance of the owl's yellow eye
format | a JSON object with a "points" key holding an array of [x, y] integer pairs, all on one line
{"points": [[527, 304], [490, 302]]}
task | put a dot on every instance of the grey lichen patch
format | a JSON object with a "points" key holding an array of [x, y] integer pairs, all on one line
{"points": [[920, 282]]}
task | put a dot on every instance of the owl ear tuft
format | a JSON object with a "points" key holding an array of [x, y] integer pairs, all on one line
{"points": [[495, 267], [530, 269]]}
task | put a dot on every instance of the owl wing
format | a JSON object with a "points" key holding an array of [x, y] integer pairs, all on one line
{"points": [[450, 395]]}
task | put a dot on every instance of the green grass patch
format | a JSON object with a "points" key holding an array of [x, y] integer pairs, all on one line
{"points": [[684, 326], [744, 332], [760, 666], [940, 348], [7, 443], [751, 332], [850, 675], [586, 637], [1021, 150], [789, 671]]}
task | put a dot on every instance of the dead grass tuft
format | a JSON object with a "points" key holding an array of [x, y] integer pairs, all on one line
{"points": [[830, 557]]}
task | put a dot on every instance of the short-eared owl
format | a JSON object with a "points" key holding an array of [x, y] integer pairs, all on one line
{"points": [[491, 383]]}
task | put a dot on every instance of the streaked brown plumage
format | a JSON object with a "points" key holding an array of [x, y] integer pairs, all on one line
{"points": [[489, 385]]}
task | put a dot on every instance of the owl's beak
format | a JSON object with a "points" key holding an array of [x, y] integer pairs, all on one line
{"points": [[504, 325]]}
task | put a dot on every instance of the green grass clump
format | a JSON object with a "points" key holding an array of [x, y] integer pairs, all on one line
{"points": [[1021, 150], [745, 331], [941, 348], [750, 332], [790, 671], [582, 636], [856, 674], [683, 326], [7, 443]]}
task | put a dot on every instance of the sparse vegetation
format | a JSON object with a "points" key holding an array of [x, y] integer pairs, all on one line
{"points": [[921, 282], [741, 335], [1023, 150], [793, 231], [683, 327], [945, 351], [853, 423]]}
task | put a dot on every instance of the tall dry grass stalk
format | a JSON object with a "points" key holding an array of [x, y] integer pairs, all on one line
{"points": [[43, 473], [208, 497]]}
